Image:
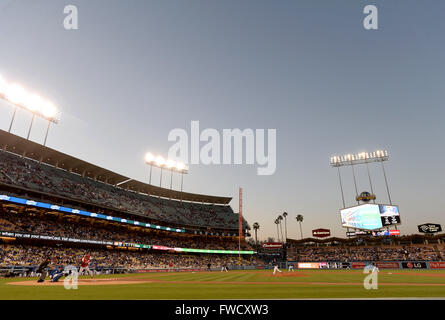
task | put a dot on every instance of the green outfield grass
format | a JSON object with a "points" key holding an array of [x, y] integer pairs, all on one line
{"points": [[240, 285]]}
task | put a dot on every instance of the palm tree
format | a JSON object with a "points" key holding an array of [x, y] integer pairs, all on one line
{"points": [[278, 232], [300, 220], [280, 218], [256, 226], [285, 224]]}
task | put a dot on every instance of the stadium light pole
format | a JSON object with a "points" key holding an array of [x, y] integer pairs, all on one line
{"points": [[151, 169], [30, 126], [160, 162], [16, 95], [149, 159], [46, 135], [341, 188], [171, 180], [12, 120], [355, 182], [369, 178], [170, 164], [386, 182]]}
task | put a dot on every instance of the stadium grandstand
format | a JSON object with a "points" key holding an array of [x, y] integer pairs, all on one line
{"points": [[53, 203], [29, 168], [382, 249]]}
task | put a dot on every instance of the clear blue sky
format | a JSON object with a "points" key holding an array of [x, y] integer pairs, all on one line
{"points": [[137, 69]]}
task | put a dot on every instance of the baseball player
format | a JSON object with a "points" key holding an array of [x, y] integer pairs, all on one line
{"points": [[275, 269], [224, 268], [42, 269], [291, 268], [84, 265], [56, 275]]}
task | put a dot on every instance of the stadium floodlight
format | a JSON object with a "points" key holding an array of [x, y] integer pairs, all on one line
{"points": [[359, 158], [34, 103], [17, 95], [49, 110], [167, 164], [170, 164], [180, 166], [149, 158], [160, 161]]}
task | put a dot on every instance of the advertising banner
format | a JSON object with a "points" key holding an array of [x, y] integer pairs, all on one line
{"points": [[414, 265], [386, 233], [272, 245], [321, 233], [373, 233], [358, 265], [308, 265], [358, 233], [165, 270], [52, 238], [387, 265], [437, 265], [335, 265], [339, 265], [429, 228]]}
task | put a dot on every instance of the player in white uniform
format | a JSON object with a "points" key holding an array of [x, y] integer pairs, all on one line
{"points": [[291, 268], [275, 269], [224, 268]]}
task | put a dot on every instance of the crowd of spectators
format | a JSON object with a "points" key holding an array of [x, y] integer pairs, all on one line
{"points": [[366, 253], [32, 256], [44, 178], [88, 229]]}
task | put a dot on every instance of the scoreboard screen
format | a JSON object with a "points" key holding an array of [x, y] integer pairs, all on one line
{"points": [[370, 216], [389, 214]]}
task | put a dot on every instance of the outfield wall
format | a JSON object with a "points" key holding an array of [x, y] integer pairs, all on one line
{"points": [[362, 264]]}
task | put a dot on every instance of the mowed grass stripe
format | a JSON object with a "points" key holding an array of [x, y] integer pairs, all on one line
{"points": [[241, 286]]}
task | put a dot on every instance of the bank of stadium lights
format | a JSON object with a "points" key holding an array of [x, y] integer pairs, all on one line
{"points": [[19, 97], [359, 158], [168, 164]]}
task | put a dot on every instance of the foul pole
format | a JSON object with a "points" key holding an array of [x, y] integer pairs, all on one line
{"points": [[240, 223]]}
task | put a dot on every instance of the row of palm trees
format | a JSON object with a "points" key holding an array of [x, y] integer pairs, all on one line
{"points": [[278, 221]]}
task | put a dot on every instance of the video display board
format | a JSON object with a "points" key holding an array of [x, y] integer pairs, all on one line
{"points": [[370, 216], [389, 214]]}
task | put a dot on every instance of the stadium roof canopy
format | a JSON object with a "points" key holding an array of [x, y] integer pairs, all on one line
{"points": [[32, 150]]}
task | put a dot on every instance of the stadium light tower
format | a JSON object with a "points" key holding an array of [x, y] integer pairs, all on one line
{"points": [[170, 165], [20, 98], [357, 159]]}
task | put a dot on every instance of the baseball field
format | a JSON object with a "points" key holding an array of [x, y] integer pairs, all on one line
{"points": [[235, 285]]}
